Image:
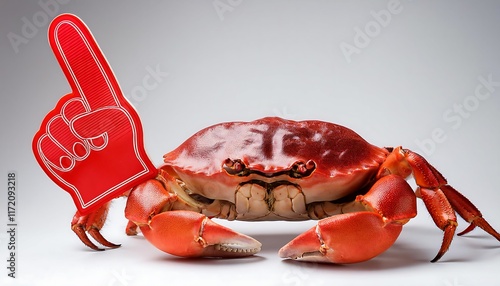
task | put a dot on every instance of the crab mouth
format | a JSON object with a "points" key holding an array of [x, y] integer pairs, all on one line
{"points": [[297, 170]]}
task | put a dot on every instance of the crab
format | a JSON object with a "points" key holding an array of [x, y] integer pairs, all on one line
{"points": [[277, 169]]}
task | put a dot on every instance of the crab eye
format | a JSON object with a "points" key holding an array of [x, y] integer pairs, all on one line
{"points": [[301, 169], [235, 167]]}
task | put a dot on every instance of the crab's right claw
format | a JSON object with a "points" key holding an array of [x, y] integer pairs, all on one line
{"points": [[190, 234]]}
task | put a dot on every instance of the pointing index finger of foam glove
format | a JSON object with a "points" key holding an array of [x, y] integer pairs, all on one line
{"points": [[83, 63]]}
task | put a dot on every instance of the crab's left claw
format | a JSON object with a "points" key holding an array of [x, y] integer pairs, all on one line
{"points": [[190, 234], [346, 238], [358, 236]]}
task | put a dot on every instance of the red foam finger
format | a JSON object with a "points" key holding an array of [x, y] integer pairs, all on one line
{"points": [[91, 143], [83, 63]]}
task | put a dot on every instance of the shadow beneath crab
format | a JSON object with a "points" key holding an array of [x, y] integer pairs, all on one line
{"points": [[398, 256], [213, 261], [479, 241], [408, 251], [164, 257], [474, 237], [271, 243]]}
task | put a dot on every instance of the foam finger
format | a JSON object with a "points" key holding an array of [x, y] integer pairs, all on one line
{"points": [[83, 63]]}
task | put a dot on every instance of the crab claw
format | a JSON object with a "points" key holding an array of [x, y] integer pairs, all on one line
{"points": [[361, 235], [345, 238], [190, 234]]}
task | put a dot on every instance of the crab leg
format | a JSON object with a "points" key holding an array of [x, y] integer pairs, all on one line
{"points": [[441, 200], [92, 224], [443, 215], [372, 227], [468, 212]]}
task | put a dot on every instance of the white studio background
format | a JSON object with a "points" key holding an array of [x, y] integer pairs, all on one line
{"points": [[422, 74]]}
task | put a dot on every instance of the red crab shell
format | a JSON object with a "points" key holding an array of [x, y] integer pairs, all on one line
{"points": [[344, 160]]}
